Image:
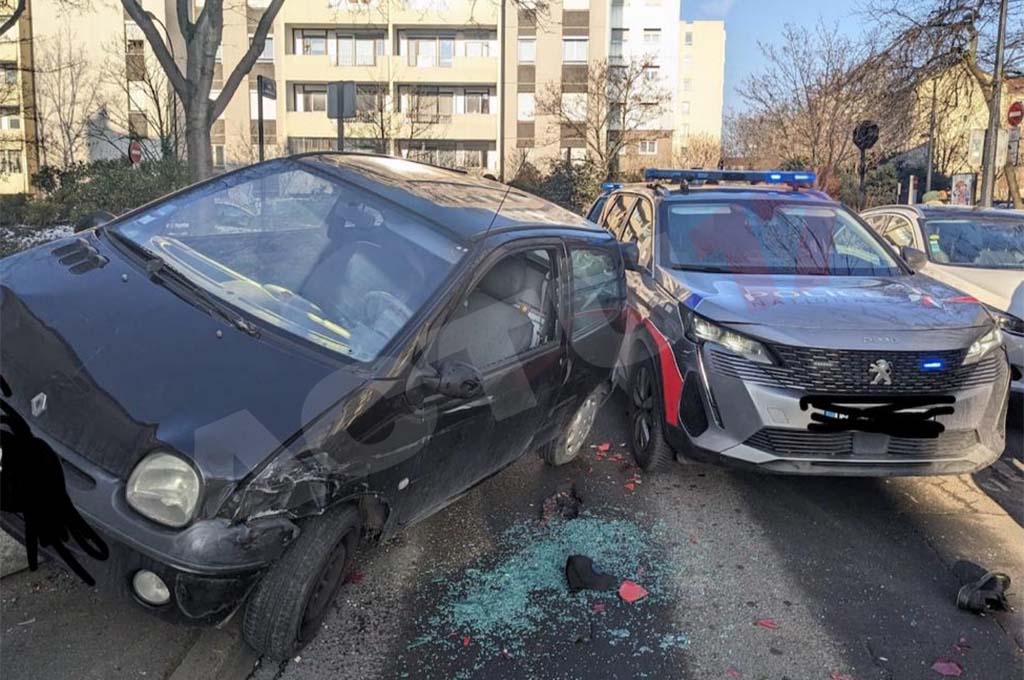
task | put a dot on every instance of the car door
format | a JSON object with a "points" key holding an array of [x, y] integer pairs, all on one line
{"points": [[508, 326]]}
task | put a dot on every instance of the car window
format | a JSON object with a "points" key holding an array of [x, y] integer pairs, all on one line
{"points": [[766, 236], [597, 290], [898, 231], [595, 210], [513, 309], [615, 218], [639, 230], [877, 221], [990, 242], [311, 255]]}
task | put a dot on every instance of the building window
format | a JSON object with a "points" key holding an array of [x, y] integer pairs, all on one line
{"points": [[688, 39], [478, 102], [310, 41], [619, 37], [527, 50], [138, 96], [269, 107], [651, 75], [135, 60], [10, 161], [684, 108], [428, 104], [574, 50], [359, 50], [652, 37], [477, 45], [526, 105], [10, 119], [684, 130], [268, 49], [310, 97], [574, 105], [648, 147], [575, 154], [616, 14], [687, 84], [218, 155], [430, 52], [9, 73], [370, 98]]}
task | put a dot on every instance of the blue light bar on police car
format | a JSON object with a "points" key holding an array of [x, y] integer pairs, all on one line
{"points": [[610, 186], [795, 178]]}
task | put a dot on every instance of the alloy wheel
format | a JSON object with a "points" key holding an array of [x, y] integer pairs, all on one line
{"points": [[642, 396]]}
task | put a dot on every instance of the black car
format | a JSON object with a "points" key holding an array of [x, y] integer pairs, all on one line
{"points": [[241, 382]]}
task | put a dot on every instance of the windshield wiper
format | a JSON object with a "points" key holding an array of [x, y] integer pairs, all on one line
{"points": [[159, 271], [695, 268]]}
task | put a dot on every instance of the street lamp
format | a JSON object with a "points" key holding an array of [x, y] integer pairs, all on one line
{"points": [[170, 48]]}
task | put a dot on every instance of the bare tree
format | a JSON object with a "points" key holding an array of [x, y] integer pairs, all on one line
{"points": [[138, 100], [202, 37], [927, 38], [387, 122], [813, 90], [10, 13], [700, 150], [67, 99], [619, 104]]}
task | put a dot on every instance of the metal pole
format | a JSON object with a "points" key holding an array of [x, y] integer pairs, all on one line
{"points": [[862, 170], [259, 113], [502, 27], [931, 140], [341, 118], [988, 164]]}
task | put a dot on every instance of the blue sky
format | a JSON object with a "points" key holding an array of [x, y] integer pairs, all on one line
{"points": [[750, 21]]}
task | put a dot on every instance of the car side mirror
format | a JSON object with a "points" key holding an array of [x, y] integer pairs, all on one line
{"points": [[914, 257], [630, 256], [94, 219], [455, 379]]}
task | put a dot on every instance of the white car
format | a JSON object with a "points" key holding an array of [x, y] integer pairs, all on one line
{"points": [[978, 251]]}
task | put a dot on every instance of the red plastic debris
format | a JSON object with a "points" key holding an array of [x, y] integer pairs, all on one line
{"points": [[466, 640], [354, 577], [598, 607], [836, 675], [948, 669], [632, 592], [630, 486], [731, 672], [615, 457], [603, 447], [767, 623]]}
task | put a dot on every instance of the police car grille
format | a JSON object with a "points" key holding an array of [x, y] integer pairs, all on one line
{"points": [[807, 444], [849, 371]]}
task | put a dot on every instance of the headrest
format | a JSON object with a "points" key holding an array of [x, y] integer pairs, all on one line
{"points": [[505, 280]]}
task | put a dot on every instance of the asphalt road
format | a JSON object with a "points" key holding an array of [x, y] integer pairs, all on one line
{"points": [[748, 577]]}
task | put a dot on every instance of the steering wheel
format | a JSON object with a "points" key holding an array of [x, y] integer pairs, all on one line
{"points": [[384, 312]]}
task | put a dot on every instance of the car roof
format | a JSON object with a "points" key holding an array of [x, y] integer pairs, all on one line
{"points": [[457, 201], [936, 211], [723, 192]]}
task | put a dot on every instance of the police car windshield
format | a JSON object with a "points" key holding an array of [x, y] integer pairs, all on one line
{"points": [[771, 237]]}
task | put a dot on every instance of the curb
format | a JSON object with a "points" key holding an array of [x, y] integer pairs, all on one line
{"points": [[217, 653]]}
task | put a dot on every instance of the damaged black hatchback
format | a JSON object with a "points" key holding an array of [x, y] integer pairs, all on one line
{"points": [[240, 383]]}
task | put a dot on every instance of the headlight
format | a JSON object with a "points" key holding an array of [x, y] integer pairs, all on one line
{"points": [[164, 488], [1007, 323], [983, 346], [702, 329]]}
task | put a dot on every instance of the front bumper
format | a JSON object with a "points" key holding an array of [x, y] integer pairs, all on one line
{"points": [[209, 567], [763, 427], [1015, 350]]}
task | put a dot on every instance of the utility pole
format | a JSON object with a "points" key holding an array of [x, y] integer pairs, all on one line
{"points": [[502, 29], [988, 163], [931, 139]]}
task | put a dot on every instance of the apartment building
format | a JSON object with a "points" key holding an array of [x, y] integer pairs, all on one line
{"points": [[16, 163], [428, 76]]}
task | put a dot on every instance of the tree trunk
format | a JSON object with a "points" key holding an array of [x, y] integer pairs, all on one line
{"points": [[1010, 173], [197, 143]]}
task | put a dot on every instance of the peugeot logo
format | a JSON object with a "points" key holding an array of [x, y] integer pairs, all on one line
{"points": [[38, 404], [882, 372]]}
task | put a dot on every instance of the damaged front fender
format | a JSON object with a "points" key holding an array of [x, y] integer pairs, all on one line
{"points": [[217, 543]]}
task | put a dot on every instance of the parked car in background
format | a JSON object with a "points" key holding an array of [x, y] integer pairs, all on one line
{"points": [[770, 328], [241, 382], [977, 251]]}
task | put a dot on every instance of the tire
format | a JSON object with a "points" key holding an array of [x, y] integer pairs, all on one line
{"points": [[567, 445], [285, 610], [647, 418]]}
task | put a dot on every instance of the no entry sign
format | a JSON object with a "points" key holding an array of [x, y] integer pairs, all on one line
{"points": [[135, 152], [1016, 114]]}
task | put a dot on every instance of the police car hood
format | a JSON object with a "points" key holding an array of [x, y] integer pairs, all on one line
{"points": [[809, 308]]}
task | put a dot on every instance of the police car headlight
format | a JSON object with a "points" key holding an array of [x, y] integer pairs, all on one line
{"points": [[982, 346], [1007, 323], [703, 330], [164, 488]]}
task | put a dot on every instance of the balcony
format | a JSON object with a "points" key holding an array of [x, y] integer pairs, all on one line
{"points": [[464, 126], [464, 70], [317, 68]]}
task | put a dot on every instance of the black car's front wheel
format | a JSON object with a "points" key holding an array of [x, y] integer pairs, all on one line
{"points": [[286, 609], [646, 418], [566, 446]]}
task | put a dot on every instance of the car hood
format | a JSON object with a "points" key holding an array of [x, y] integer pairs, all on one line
{"points": [[834, 303], [127, 367], [1000, 288]]}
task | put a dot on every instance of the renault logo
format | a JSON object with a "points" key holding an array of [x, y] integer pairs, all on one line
{"points": [[38, 404], [882, 372]]}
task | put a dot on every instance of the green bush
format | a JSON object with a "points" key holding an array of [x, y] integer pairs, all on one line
{"points": [[12, 209], [69, 194], [572, 185]]}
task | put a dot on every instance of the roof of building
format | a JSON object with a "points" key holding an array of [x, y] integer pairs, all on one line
{"points": [[466, 205]]}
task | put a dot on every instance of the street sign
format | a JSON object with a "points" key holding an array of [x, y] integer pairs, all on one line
{"points": [[135, 152], [341, 99], [1013, 149], [1016, 114], [865, 134], [267, 87]]}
